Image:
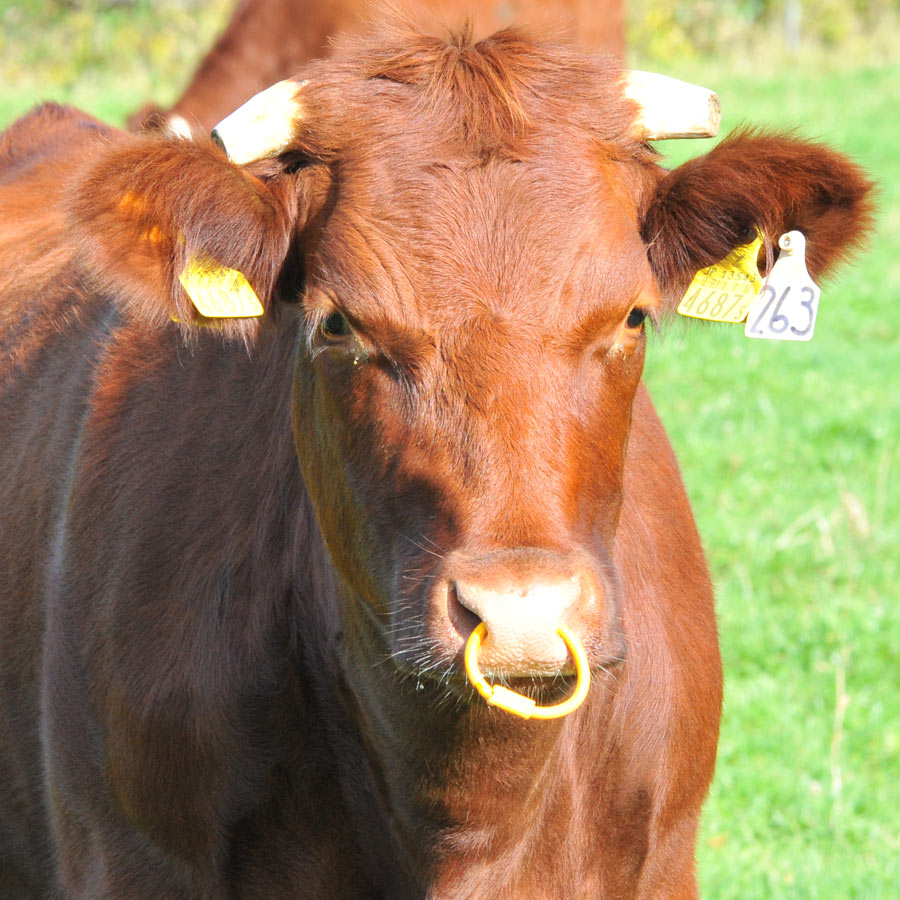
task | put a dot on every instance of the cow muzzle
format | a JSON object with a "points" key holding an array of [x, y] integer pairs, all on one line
{"points": [[521, 619], [522, 597]]}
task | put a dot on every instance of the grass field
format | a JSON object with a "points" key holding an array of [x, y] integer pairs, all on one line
{"points": [[792, 458], [791, 454]]}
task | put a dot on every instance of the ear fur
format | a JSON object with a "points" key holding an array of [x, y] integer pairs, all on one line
{"points": [[705, 208], [146, 205]]}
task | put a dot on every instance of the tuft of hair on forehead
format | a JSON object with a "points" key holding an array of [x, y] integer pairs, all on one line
{"points": [[480, 83], [487, 97]]}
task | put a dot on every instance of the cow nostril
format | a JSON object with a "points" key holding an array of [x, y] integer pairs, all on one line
{"points": [[463, 620], [522, 612]]}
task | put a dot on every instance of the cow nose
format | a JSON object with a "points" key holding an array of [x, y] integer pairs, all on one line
{"points": [[522, 616]]}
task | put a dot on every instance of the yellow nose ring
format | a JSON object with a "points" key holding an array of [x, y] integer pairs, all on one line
{"points": [[518, 704]]}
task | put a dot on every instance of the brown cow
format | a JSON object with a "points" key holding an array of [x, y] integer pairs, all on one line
{"points": [[267, 40], [225, 675]]}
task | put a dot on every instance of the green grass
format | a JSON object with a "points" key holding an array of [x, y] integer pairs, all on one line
{"points": [[791, 454], [107, 58]]}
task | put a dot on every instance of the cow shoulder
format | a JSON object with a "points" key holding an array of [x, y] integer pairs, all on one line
{"points": [[49, 133], [39, 154]]}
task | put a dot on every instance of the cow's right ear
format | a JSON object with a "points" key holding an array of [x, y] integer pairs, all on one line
{"points": [[699, 212], [146, 210]]}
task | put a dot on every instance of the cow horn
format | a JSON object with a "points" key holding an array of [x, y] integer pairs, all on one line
{"points": [[264, 126], [671, 108]]}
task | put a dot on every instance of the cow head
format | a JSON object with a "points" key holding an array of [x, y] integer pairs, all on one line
{"points": [[470, 241]]}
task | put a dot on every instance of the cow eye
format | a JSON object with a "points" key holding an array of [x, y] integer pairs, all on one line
{"points": [[636, 318], [335, 325]]}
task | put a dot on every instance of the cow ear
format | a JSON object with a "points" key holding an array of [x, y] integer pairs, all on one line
{"points": [[152, 215], [705, 208]]}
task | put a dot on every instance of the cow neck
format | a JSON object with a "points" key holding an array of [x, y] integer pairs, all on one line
{"points": [[456, 783]]}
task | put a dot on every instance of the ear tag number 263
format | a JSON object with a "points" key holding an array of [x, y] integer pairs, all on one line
{"points": [[786, 307]]}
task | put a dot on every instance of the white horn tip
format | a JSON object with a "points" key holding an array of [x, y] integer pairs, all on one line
{"points": [[264, 126], [179, 127], [671, 108]]}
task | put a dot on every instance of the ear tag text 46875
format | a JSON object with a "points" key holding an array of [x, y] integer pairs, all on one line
{"points": [[218, 292], [786, 307], [725, 291]]}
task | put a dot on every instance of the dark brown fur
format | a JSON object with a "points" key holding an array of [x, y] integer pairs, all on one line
{"points": [[227, 676]]}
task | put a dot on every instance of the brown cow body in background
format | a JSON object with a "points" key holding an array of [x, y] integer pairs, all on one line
{"points": [[267, 40], [224, 675]]}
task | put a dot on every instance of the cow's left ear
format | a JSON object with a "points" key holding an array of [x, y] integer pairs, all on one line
{"points": [[160, 220], [705, 208]]}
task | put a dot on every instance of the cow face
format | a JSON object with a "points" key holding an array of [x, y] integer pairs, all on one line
{"points": [[474, 338], [472, 238], [474, 304]]}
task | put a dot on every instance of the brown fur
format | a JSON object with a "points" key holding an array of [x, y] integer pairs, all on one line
{"points": [[267, 40], [756, 180], [227, 676]]}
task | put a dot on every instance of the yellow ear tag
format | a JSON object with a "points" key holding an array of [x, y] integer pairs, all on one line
{"points": [[724, 292], [218, 292]]}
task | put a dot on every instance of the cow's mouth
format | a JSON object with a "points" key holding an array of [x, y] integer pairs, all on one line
{"points": [[426, 663], [544, 684]]}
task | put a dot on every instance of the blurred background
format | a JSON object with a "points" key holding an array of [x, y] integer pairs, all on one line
{"points": [[791, 452]]}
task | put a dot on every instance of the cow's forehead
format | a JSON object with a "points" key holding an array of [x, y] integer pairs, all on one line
{"points": [[554, 238]]}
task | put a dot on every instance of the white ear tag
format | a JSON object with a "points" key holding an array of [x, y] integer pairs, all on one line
{"points": [[786, 307]]}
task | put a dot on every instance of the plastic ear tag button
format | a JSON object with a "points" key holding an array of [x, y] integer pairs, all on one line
{"points": [[786, 307], [724, 292], [218, 292]]}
